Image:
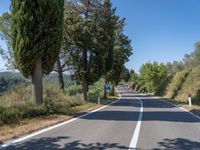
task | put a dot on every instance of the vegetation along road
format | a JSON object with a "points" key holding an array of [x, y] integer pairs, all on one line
{"points": [[134, 121], [66, 57]]}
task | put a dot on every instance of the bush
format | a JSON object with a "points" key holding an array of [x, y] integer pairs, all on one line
{"points": [[160, 91], [96, 91], [10, 115], [190, 85], [15, 104], [73, 90], [176, 83]]}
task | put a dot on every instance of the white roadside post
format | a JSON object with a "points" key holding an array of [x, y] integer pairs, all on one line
{"points": [[190, 100]]}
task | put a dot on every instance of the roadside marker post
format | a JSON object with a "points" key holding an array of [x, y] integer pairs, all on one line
{"points": [[190, 99]]}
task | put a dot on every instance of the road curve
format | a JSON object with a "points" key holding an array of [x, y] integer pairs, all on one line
{"points": [[162, 126]]}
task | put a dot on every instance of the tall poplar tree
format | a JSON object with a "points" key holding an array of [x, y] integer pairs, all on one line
{"points": [[36, 28]]}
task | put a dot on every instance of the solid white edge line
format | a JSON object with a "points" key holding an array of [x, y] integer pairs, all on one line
{"points": [[56, 126], [133, 143], [196, 116]]}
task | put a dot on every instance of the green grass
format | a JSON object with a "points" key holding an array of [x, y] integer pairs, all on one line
{"points": [[16, 104]]}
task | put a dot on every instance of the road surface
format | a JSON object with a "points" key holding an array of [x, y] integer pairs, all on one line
{"points": [[133, 122]]}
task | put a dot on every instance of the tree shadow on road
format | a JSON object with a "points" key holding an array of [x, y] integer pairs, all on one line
{"points": [[169, 116], [63, 143], [178, 144]]}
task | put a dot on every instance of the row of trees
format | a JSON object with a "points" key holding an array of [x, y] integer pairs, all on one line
{"points": [[83, 36], [150, 78], [154, 77], [189, 61]]}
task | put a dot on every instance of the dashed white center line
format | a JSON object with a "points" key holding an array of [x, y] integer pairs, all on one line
{"points": [[134, 139]]}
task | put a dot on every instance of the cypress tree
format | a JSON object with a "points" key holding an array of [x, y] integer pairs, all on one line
{"points": [[36, 28]]}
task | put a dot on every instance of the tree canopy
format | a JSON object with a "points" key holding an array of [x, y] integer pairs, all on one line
{"points": [[36, 33]]}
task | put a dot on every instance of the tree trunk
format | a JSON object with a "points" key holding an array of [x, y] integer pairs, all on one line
{"points": [[84, 90], [84, 80], [37, 87], [105, 95], [60, 75], [113, 89]]}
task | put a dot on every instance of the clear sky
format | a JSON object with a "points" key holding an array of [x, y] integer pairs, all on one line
{"points": [[160, 30]]}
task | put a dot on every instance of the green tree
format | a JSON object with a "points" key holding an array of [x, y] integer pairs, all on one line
{"points": [[108, 26], [61, 66], [36, 28], [5, 30], [88, 39], [5, 34], [151, 75], [175, 66], [125, 75], [121, 53], [192, 60]]}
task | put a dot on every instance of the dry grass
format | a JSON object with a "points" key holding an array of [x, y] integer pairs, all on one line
{"points": [[195, 108], [27, 126]]}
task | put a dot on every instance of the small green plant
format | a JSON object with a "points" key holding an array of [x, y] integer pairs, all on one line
{"points": [[73, 90]]}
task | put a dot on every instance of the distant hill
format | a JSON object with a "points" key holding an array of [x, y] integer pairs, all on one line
{"points": [[9, 79], [11, 74]]}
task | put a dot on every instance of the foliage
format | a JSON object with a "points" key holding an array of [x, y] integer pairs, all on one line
{"points": [[52, 80], [175, 66], [134, 81], [192, 60], [91, 30], [73, 90], [121, 53], [5, 34], [15, 104], [176, 83], [190, 85], [36, 29], [151, 75], [7, 80], [96, 90], [125, 75], [161, 90]]}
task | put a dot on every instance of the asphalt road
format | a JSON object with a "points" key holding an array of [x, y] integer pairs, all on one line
{"points": [[122, 125]]}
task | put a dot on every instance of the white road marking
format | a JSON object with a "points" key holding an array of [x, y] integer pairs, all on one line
{"points": [[196, 116], [133, 143], [14, 142]]}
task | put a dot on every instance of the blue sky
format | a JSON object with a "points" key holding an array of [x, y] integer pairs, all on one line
{"points": [[160, 30]]}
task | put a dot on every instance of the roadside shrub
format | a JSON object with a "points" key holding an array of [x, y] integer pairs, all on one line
{"points": [[96, 91], [15, 104], [190, 85], [73, 90], [10, 115], [160, 91], [31, 110], [176, 83]]}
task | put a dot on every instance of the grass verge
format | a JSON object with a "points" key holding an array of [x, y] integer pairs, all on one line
{"points": [[29, 125], [195, 108]]}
